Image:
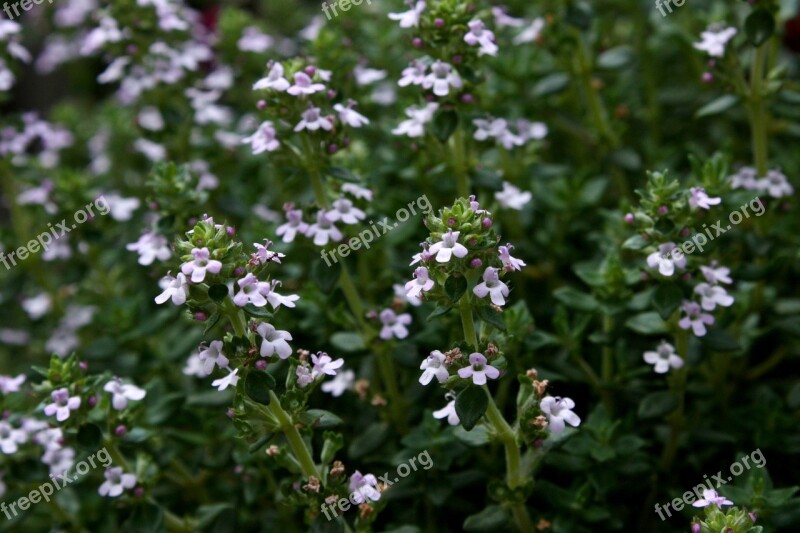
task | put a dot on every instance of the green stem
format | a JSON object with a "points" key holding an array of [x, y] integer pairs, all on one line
{"points": [[758, 112], [459, 164], [296, 442], [467, 322], [677, 419], [235, 317], [608, 352], [393, 396]]}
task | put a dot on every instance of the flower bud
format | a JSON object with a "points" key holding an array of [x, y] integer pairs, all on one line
{"points": [[486, 223], [629, 218], [417, 42], [138, 492], [230, 413], [261, 104], [451, 221], [663, 210], [92, 401], [310, 70], [458, 59], [83, 365], [238, 272], [695, 528], [439, 22], [261, 364], [201, 316], [332, 148], [708, 77], [467, 98], [475, 263], [120, 430], [331, 94]]}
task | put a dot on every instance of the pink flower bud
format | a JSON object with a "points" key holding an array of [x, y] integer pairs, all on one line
{"points": [[458, 59], [92, 401], [467, 98], [201, 316], [708, 77], [230, 413], [138, 492], [230, 230], [332, 148], [417, 42], [475, 263], [629, 218], [83, 365], [451, 221], [695, 528], [120, 431], [331, 94], [311, 70], [486, 223], [238, 272], [685, 232], [663, 210], [261, 104], [261, 364], [439, 22]]}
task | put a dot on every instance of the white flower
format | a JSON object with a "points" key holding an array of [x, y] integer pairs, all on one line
{"points": [[559, 410], [531, 33], [9, 384], [502, 19], [274, 80], [357, 191], [663, 358], [414, 74], [433, 366], [341, 382], [11, 438], [349, 116], [363, 488], [151, 150], [62, 404], [293, 226], [150, 247], [250, 291], [716, 275], [713, 42], [775, 184], [304, 85], [409, 19], [121, 209], [176, 289], [264, 139], [531, 130], [479, 35], [201, 264], [368, 76], [343, 210], [448, 247], [312, 121], [120, 394], [695, 318], [418, 117], [228, 381], [665, 262], [394, 325], [323, 230], [304, 375], [60, 460], [274, 341], [37, 306], [492, 286], [276, 300], [448, 411], [150, 118], [420, 283], [441, 78], [745, 178], [116, 482], [713, 295], [211, 356], [254, 40], [710, 497], [324, 364], [699, 198], [195, 367], [264, 256], [509, 262], [114, 71], [512, 197], [478, 370]]}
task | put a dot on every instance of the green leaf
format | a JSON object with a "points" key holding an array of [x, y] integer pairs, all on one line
{"points": [[554, 83], [444, 124], [218, 292], [721, 104], [720, 340], [759, 26], [637, 242], [455, 287], [326, 277], [341, 173], [493, 518], [666, 299], [479, 436], [615, 58], [145, 517], [319, 418], [369, 440], [90, 436], [471, 405], [647, 324], [348, 341], [657, 404], [439, 311], [257, 386], [491, 316], [257, 312], [207, 514], [576, 299]]}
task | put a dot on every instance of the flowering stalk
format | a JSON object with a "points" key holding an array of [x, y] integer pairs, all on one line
{"points": [[758, 111], [296, 442]]}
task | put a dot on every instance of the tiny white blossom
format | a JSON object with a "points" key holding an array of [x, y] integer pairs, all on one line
{"points": [[120, 394], [559, 410], [410, 18], [116, 482], [511, 197], [663, 358]]}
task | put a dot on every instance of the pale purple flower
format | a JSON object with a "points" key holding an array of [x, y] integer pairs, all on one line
{"points": [[349, 116], [479, 35], [250, 291], [663, 358], [293, 226], [362, 487], [62, 404], [121, 209], [479, 370], [37, 306], [496, 128], [409, 19], [502, 19], [150, 247], [699, 198], [400, 293], [531, 130], [59, 459], [368, 76], [341, 382], [228, 381], [357, 191], [663, 259], [344, 210], [448, 247], [312, 121], [150, 118], [418, 117], [716, 275], [263, 255], [201, 264], [775, 184], [264, 139], [11, 438], [745, 178], [324, 364], [559, 410], [713, 42], [107, 32], [433, 366], [304, 85], [116, 482], [448, 411], [176, 289], [420, 283], [512, 197], [254, 40], [323, 230], [711, 497], [304, 376], [442, 77], [274, 341], [195, 367], [9, 384], [509, 262], [394, 325], [211, 356], [120, 394], [492, 286], [151, 150], [274, 80], [276, 300], [695, 318], [414, 74], [532, 32], [713, 295]]}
